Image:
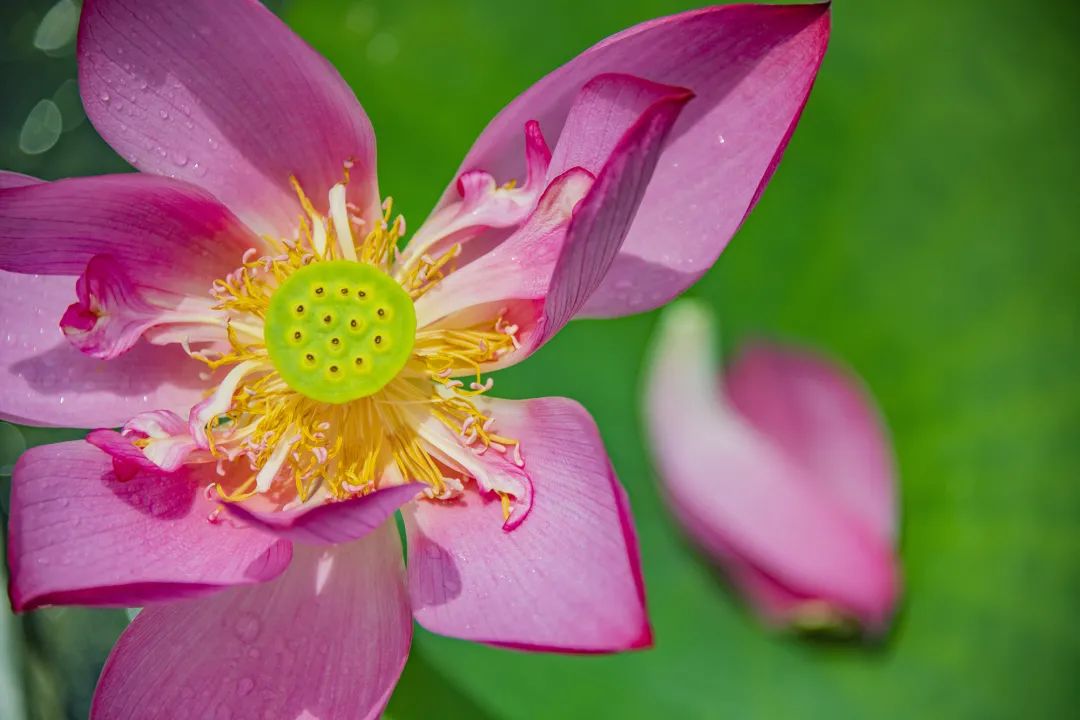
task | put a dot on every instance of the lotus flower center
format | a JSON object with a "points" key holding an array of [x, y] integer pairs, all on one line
{"points": [[339, 330]]}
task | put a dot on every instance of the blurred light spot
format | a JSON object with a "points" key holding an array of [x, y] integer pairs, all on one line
{"points": [[41, 129], [68, 101], [58, 26], [382, 49], [360, 18]]}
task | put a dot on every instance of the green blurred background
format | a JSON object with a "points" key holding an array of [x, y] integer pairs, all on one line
{"points": [[923, 226]]}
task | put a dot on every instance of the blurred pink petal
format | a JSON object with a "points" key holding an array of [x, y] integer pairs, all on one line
{"points": [[567, 578], [224, 95], [78, 535], [326, 640], [751, 68], [782, 523], [49, 382], [823, 418]]}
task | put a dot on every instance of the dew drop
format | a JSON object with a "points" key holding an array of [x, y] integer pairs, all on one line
{"points": [[247, 627]]}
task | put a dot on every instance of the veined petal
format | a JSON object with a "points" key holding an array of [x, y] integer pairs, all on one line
{"points": [[48, 382], [601, 222], [78, 535], [751, 68], [326, 640], [222, 94], [543, 273], [741, 494], [605, 110], [164, 233], [566, 579], [333, 523]]}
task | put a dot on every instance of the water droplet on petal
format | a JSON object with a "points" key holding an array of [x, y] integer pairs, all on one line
{"points": [[247, 627]]}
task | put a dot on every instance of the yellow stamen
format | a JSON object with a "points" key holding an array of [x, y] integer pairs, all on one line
{"points": [[317, 449]]}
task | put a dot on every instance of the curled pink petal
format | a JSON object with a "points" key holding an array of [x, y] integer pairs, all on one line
{"points": [[79, 535], [332, 523], [543, 273], [165, 444], [515, 275], [566, 579], [222, 94], [326, 640], [484, 204], [48, 382], [751, 68], [791, 536], [604, 217], [110, 314]]}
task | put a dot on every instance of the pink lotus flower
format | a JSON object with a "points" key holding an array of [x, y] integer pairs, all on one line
{"points": [[286, 379], [781, 471]]}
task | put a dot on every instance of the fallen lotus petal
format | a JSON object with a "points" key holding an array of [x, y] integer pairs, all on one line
{"points": [[270, 426], [781, 470]]}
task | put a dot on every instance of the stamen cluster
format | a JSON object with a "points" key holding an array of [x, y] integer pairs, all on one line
{"points": [[298, 448]]}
